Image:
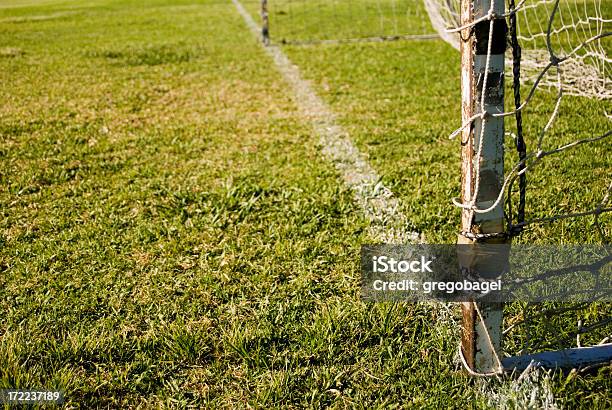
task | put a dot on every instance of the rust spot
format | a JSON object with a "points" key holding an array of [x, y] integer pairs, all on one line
{"points": [[468, 336]]}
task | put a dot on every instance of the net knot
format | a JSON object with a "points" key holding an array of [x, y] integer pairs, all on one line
{"points": [[554, 60]]}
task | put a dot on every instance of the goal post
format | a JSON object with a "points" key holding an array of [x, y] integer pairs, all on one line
{"points": [[482, 30], [265, 23], [483, 43]]}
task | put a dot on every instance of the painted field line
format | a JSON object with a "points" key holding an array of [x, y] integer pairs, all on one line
{"points": [[379, 205], [381, 208]]}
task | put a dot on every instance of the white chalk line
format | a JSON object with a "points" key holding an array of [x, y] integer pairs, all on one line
{"points": [[380, 207], [378, 204]]}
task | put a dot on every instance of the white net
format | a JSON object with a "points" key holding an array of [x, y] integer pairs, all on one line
{"points": [[332, 21], [575, 33]]}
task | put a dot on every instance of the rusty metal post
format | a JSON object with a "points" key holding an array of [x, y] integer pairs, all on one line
{"points": [[265, 24], [481, 337]]}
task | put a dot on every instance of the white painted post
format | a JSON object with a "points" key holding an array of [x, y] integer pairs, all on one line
{"points": [[482, 83]]}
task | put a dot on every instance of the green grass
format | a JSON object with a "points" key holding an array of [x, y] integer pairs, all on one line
{"points": [[171, 235]]}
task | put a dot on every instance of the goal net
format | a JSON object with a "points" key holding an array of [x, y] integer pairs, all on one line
{"points": [[575, 31], [587, 72], [332, 21], [536, 164]]}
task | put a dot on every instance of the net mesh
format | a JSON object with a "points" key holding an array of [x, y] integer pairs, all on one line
{"points": [[573, 30], [586, 71], [331, 21]]}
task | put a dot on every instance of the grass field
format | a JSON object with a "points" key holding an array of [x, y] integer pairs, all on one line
{"points": [[172, 237]]}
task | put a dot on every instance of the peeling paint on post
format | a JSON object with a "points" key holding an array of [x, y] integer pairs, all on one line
{"points": [[481, 335], [265, 27]]}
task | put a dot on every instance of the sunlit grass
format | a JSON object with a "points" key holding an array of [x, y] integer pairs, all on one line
{"points": [[172, 236]]}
